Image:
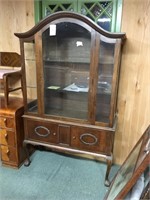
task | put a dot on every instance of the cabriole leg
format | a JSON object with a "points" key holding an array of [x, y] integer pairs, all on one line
{"points": [[109, 164], [27, 161]]}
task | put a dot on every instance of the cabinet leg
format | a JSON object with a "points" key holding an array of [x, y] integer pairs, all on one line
{"points": [[27, 161], [109, 164]]}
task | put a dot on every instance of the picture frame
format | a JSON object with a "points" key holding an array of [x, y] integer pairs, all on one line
{"points": [[132, 168]]}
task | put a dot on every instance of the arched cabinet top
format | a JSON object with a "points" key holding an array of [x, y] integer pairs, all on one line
{"points": [[69, 16]]}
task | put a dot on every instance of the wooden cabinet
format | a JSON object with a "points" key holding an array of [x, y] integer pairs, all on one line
{"points": [[70, 98], [12, 133]]}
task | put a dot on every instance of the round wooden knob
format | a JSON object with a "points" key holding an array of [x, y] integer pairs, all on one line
{"points": [[6, 136]]}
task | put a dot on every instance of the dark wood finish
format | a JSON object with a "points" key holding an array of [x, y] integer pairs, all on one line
{"points": [[135, 164], [12, 133], [115, 79], [70, 15], [64, 134], [100, 141], [38, 50], [10, 59], [64, 120], [41, 131], [94, 77]]}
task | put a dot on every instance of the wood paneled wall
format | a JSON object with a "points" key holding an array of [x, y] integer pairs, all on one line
{"points": [[134, 90], [15, 16]]}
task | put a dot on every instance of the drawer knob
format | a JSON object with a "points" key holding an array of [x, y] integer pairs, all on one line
{"points": [[54, 133], [5, 120], [7, 152], [6, 136]]}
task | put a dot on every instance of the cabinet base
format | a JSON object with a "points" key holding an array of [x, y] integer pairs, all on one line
{"points": [[63, 149]]}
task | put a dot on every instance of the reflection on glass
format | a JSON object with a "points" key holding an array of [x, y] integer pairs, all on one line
{"points": [[100, 12], [96, 10], [104, 85], [66, 62], [53, 7], [124, 174], [105, 22], [31, 84], [83, 11]]}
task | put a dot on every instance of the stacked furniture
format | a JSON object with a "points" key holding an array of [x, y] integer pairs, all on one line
{"points": [[12, 132], [11, 110]]}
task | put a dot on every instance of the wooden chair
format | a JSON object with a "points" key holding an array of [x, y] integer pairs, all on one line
{"points": [[10, 69]]}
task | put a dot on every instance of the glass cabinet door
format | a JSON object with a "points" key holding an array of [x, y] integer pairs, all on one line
{"points": [[31, 79], [105, 74], [66, 63]]}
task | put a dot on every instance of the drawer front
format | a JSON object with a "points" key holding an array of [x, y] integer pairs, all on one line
{"points": [[92, 140], [6, 122], [8, 154], [7, 137], [41, 131]]}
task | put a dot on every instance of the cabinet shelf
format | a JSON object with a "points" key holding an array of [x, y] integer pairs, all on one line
{"points": [[70, 88], [105, 60], [69, 113]]}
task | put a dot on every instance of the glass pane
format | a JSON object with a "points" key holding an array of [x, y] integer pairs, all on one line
{"points": [[66, 61], [105, 22], [56, 7], [30, 70], [96, 10], [104, 86], [125, 173], [100, 12], [83, 10], [109, 9]]}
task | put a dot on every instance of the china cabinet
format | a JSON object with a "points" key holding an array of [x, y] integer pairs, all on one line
{"points": [[71, 69]]}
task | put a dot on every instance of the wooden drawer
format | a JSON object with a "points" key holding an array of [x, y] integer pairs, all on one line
{"points": [[41, 131], [6, 122], [92, 140], [8, 154], [7, 137]]}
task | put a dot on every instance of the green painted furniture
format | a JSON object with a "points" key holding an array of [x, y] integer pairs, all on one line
{"points": [[106, 13]]}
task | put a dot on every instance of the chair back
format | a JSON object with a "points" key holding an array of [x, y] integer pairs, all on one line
{"points": [[12, 59]]}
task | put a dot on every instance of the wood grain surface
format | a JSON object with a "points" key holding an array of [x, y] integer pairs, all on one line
{"points": [[134, 90]]}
